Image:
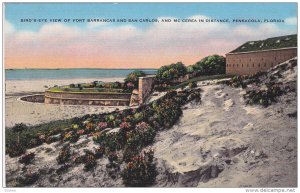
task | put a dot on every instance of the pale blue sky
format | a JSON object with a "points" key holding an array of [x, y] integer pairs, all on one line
{"points": [[16, 11], [136, 45]]}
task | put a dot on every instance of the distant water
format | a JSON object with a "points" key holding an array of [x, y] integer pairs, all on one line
{"points": [[35, 74]]}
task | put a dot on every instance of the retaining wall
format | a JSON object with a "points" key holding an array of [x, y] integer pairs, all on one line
{"points": [[37, 98], [103, 99]]}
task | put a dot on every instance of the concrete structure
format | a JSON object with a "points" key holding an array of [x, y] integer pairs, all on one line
{"points": [[146, 84], [137, 97], [102, 99], [36, 98], [253, 60]]}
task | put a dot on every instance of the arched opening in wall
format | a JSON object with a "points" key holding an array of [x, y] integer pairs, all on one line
{"points": [[242, 65], [247, 65], [265, 65], [258, 64], [252, 65]]}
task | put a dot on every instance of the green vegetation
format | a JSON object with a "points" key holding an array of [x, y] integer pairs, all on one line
{"points": [[132, 79], [141, 171], [137, 129], [211, 65], [32, 136], [270, 43], [167, 73], [167, 76], [94, 87], [86, 90], [264, 90]]}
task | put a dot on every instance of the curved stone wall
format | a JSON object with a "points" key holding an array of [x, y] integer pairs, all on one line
{"points": [[37, 98], [103, 99]]}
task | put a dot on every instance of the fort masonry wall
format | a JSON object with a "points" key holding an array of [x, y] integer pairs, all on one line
{"points": [[244, 63]]}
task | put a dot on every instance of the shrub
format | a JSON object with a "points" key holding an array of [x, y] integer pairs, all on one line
{"points": [[113, 157], [140, 172], [99, 151], [28, 179], [90, 160], [64, 154], [27, 158], [15, 149], [167, 73], [133, 79], [192, 85], [97, 137], [263, 97], [63, 168], [167, 112], [125, 125], [211, 65], [33, 142], [102, 125], [145, 132], [71, 136]]}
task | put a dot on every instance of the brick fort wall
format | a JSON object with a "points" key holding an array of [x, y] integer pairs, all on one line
{"points": [[244, 63]]}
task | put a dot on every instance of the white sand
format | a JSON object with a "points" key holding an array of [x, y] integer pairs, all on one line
{"points": [[259, 144], [17, 111]]}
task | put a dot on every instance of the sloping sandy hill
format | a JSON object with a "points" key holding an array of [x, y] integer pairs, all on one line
{"points": [[219, 142], [224, 143]]}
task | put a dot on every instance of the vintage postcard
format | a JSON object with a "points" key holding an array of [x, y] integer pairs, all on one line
{"points": [[199, 95]]}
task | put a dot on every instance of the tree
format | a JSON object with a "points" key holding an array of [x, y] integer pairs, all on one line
{"points": [[133, 77], [167, 73], [211, 65], [190, 69]]}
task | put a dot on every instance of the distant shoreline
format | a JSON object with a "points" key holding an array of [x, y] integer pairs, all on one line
{"points": [[69, 73]]}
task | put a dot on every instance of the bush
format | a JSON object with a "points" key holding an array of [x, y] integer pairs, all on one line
{"points": [[192, 85], [28, 179], [15, 149], [263, 97], [27, 158], [211, 65], [99, 151], [102, 125], [133, 79], [140, 171], [167, 112], [63, 169], [112, 157], [167, 73], [64, 154], [89, 160], [71, 136]]}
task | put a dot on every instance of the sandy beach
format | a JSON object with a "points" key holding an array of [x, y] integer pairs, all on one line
{"points": [[17, 111]]}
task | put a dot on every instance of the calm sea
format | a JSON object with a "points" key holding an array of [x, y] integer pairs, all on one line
{"points": [[34, 74]]}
